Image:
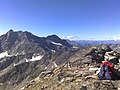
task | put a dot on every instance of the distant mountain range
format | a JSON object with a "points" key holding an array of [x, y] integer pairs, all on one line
{"points": [[84, 43]]}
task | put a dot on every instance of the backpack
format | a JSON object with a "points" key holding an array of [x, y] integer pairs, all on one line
{"points": [[106, 71]]}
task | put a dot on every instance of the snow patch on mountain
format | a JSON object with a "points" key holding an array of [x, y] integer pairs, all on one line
{"points": [[55, 64], [4, 54], [35, 58], [59, 44]]}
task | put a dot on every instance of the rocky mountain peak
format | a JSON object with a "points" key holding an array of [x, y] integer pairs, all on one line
{"points": [[10, 31], [53, 37], [9, 34], [56, 39]]}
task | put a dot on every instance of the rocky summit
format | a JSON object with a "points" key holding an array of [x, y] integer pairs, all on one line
{"points": [[29, 62]]}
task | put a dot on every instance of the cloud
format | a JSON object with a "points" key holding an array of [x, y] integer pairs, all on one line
{"points": [[69, 37], [78, 38], [72, 37], [116, 37], [102, 38], [112, 38]]}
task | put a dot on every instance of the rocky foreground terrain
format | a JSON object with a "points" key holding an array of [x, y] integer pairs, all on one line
{"points": [[74, 75], [29, 62]]}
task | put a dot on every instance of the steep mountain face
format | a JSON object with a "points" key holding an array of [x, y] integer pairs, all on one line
{"points": [[25, 42], [23, 56], [18, 43]]}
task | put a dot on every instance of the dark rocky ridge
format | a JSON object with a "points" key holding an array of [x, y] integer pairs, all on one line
{"points": [[58, 40], [14, 69], [25, 42]]}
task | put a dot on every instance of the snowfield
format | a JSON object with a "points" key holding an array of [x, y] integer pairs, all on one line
{"points": [[59, 44], [35, 58], [4, 54]]}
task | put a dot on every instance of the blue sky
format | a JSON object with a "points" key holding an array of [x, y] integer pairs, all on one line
{"points": [[83, 19]]}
